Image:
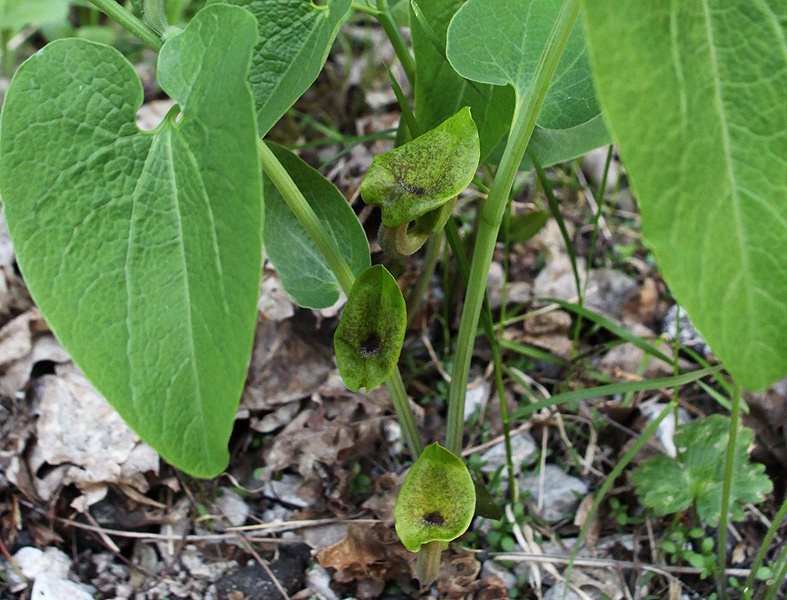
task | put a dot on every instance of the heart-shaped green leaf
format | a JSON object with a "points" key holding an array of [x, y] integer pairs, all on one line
{"points": [[303, 270], [437, 499], [422, 175], [500, 42], [295, 37], [694, 93], [143, 249], [370, 335], [440, 91]]}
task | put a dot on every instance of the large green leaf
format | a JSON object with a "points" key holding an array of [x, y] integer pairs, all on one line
{"points": [[15, 14], [500, 42], [295, 37], [695, 93], [440, 91], [143, 250], [303, 271]]}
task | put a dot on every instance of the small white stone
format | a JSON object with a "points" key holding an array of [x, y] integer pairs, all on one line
{"points": [[49, 587], [562, 492], [319, 580], [491, 568], [523, 449]]}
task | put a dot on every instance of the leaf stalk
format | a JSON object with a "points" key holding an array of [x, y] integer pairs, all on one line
{"points": [[128, 21], [492, 213]]}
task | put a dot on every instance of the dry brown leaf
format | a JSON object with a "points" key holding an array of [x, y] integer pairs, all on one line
{"points": [[369, 552]]}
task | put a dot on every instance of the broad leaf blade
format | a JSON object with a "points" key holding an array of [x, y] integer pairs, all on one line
{"points": [[440, 91], [436, 501], [295, 37], [303, 271], [694, 93], [370, 335], [143, 250], [500, 42]]}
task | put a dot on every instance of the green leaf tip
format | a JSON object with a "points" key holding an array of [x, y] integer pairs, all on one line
{"points": [[370, 335], [670, 485], [436, 501], [295, 37], [422, 175], [142, 249]]}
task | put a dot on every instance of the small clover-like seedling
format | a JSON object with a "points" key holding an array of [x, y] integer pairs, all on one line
{"points": [[370, 335], [671, 485], [437, 499], [414, 179]]}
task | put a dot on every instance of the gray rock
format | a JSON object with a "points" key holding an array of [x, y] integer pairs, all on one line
{"points": [[560, 591], [688, 335], [286, 490], [50, 587], [232, 506], [474, 398], [594, 164], [562, 492], [523, 449], [490, 568], [319, 580], [325, 535], [666, 429]]}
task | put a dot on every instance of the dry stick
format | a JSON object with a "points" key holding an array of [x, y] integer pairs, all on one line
{"points": [[665, 571]]}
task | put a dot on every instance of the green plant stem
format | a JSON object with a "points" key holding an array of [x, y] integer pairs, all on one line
{"points": [[766, 542], [428, 565], [327, 246], [725, 493], [779, 577], [6, 56], [492, 214], [130, 22], [392, 31], [455, 241], [416, 296]]}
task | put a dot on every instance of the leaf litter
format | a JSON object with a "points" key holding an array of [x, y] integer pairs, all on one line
{"points": [[312, 462]]}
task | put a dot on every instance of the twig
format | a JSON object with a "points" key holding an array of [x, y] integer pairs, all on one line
{"points": [[665, 571]]}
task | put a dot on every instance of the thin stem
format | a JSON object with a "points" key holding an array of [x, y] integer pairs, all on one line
{"points": [[327, 246], [392, 31], [130, 22], [779, 578], [457, 247], [6, 55], [492, 214], [416, 295], [725, 493], [766, 542], [365, 8]]}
